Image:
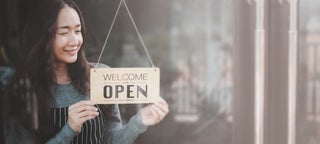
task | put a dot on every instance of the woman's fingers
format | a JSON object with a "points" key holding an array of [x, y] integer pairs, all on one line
{"points": [[80, 112], [163, 107], [161, 101], [81, 104], [84, 108], [160, 110], [77, 123], [154, 113], [87, 113]]}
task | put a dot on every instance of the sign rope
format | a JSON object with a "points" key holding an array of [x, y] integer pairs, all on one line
{"points": [[134, 24]]}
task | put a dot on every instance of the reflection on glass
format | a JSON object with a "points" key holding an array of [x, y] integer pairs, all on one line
{"points": [[192, 43], [200, 49], [308, 126]]}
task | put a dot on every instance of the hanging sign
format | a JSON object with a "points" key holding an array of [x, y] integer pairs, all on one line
{"points": [[124, 85]]}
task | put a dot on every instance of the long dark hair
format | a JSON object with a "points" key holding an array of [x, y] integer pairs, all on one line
{"points": [[34, 79]]}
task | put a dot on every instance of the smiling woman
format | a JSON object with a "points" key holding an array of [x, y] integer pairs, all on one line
{"points": [[48, 98]]}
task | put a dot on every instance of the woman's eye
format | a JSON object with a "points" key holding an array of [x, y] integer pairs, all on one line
{"points": [[78, 31], [63, 33]]}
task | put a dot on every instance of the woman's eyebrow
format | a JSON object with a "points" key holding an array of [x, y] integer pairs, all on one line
{"points": [[66, 27]]}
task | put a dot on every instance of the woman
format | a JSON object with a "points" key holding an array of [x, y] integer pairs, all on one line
{"points": [[51, 87]]}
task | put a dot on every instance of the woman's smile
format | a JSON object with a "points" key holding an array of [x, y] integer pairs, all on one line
{"points": [[71, 52]]}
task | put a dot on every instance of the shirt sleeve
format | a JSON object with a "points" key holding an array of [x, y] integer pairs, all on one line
{"points": [[65, 136], [116, 133]]}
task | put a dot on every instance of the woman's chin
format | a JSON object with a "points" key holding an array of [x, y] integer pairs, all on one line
{"points": [[68, 60]]}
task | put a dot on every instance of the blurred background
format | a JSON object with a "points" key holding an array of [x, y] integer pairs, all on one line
{"points": [[205, 51]]}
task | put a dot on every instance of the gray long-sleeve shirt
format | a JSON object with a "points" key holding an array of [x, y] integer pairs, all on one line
{"points": [[98, 130]]}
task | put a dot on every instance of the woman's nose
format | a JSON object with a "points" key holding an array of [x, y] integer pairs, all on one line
{"points": [[73, 39]]}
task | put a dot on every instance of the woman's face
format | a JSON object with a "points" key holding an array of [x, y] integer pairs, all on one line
{"points": [[68, 37]]}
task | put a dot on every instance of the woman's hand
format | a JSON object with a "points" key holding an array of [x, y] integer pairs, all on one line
{"points": [[79, 113], [154, 113]]}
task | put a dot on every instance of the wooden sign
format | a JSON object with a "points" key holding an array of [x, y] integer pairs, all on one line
{"points": [[124, 85]]}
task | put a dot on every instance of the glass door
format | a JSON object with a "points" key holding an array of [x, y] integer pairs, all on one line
{"points": [[308, 106]]}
